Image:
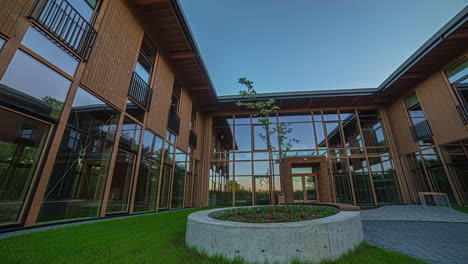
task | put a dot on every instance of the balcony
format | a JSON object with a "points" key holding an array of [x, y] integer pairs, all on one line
{"points": [[140, 91], [463, 112], [421, 130], [193, 139], [66, 24], [173, 122]]}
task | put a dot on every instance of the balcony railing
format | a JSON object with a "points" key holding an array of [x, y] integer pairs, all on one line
{"points": [[463, 112], [140, 91], [173, 122], [421, 130], [193, 139], [66, 24]]}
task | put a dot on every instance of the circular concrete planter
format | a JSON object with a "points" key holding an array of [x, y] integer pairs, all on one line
{"points": [[313, 240]]}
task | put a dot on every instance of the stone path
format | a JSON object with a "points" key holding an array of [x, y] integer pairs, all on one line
{"points": [[414, 213], [434, 242], [435, 236]]}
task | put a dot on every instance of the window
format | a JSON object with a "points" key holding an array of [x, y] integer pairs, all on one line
{"points": [[24, 92], [414, 109], [130, 135], [22, 140], [175, 99], [193, 117], [179, 180], [41, 44], [146, 58], [2, 43], [120, 189], [458, 77]]}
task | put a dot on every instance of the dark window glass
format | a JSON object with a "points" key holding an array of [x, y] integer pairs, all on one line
{"points": [[21, 143], [2, 42], [130, 135], [457, 162], [135, 110], [352, 135], [385, 180], [372, 128], [361, 181], [165, 187], [221, 183], [148, 139], [143, 69], [93, 116], [342, 184], [119, 194], [223, 133], [193, 117], [176, 92], [458, 77], [43, 91], [334, 134], [77, 181], [147, 185], [178, 183], [37, 41], [243, 138]]}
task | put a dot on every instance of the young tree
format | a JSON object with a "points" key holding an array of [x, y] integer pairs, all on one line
{"points": [[263, 110]]}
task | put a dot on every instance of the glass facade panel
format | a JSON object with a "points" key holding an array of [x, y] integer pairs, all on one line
{"points": [[342, 184], [361, 181], [130, 135], [457, 162], [119, 194], [37, 41], [243, 183], [48, 100], [223, 134], [147, 185], [243, 138], [2, 43], [165, 187], [221, 183], [77, 181], [385, 180], [372, 128], [178, 184], [93, 116], [22, 141], [262, 182]]}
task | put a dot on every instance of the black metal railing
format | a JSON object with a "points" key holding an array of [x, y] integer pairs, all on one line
{"points": [[66, 24], [463, 112], [140, 91], [421, 130], [193, 139], [173, 122]]}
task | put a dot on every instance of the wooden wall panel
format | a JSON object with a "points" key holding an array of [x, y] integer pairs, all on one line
{"points": [[11, 12], [162, 91], [439, 105], [112, 61], [185, 115], [401, 127], [199, 130]]}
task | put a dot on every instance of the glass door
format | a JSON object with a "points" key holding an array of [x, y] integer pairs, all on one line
{"points": [[304, 189], [164, 194], [119, 195]]}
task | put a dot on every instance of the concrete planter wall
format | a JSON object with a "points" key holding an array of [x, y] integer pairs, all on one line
{"points": [[314, 240]]}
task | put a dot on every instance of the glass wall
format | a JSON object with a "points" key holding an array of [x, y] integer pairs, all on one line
{"points": [[22, 140], [148, 174], [179, 180], [76, 185], [456, 157], [353, 141]]}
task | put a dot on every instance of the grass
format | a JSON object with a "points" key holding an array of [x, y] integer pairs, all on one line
{"points": [[276, 214], [461, 209], [156, 238]]}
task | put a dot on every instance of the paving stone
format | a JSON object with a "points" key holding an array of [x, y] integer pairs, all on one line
{"points": [[414, 213]]}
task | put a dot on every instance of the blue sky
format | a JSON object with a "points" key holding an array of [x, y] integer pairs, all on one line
{"points": [[303, 45]]}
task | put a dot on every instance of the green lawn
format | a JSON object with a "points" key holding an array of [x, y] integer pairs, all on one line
{"points": [[461, 209], [156, 238]]}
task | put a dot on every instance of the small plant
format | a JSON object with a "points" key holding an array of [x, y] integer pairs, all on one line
{"points": [[276, 214]]}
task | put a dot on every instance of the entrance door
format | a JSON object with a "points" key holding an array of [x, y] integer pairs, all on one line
{"points": [[164, 194], [304, 189]]}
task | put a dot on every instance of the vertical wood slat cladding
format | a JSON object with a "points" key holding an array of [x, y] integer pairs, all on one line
{"points": [[161, 100], [185, 115], [11, 12], [397, 116], [112, 61], [439, 108]]}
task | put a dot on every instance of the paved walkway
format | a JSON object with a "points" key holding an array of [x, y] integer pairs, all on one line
{"points": [[437, 236], [414, 213]]}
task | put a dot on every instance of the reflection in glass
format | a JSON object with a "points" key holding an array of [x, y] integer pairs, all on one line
{"points": [[372, 128], [37, 41], [135, 110], [221, 183], [43, 91], [78, 177], [361, 181], [2, 42], [342, 184], [298, 193], [223, 133], [121, 182], [310, 189], [93, 116], [21, 143], [351, 132], [385, 180], [130, 135], [178, 184], [334, 134], [304, 132], [243, 138], [243, 183], [165, 187], [147, 185], [262, 182], [457, 162]]}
